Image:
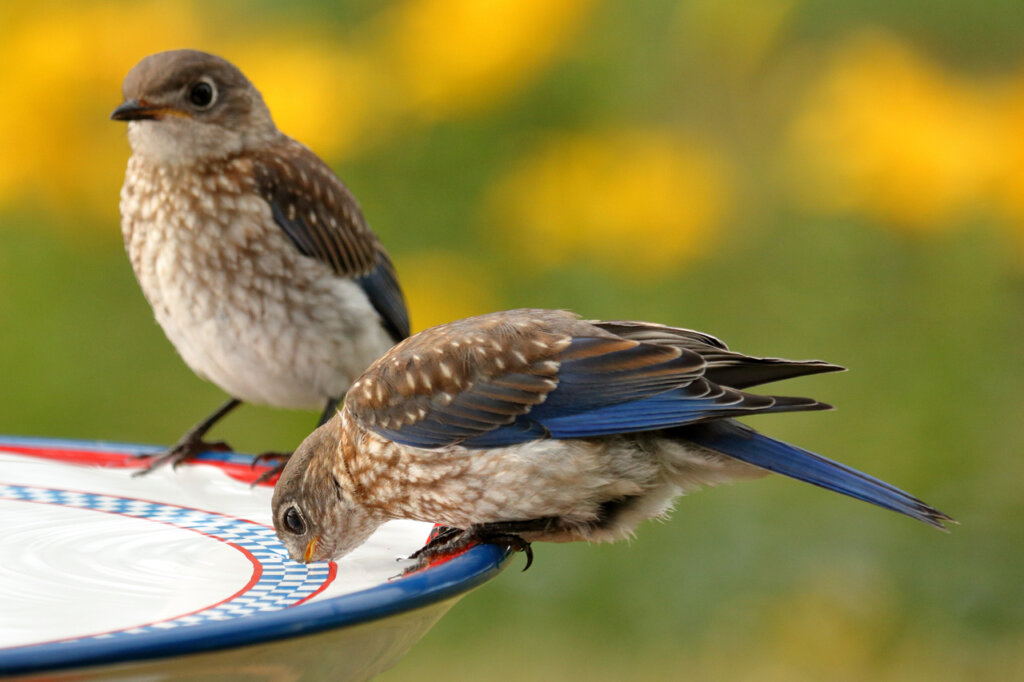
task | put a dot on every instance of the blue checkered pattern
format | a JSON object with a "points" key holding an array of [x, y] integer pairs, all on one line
{"points": [[283, 582]]}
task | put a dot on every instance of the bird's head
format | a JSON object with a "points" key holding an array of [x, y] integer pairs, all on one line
{"points": [[185, 106], [315, 513]]}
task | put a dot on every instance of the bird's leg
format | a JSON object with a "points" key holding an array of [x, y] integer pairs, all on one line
{"points": [[450, 540], [444, 537], [282, 457], [508, 533], [329, 409], [192, 443]]}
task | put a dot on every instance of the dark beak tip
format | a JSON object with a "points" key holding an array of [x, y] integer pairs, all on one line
{"points": [[130, 110], [121, 112]]}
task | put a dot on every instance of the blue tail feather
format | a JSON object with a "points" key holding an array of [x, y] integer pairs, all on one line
{"points": [[735, 440]]}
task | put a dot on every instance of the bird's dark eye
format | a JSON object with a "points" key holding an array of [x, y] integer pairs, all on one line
{"points": [[201, 94], [293, 521]]}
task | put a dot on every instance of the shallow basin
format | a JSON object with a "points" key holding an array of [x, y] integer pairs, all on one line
{"points": [[178, 575]]}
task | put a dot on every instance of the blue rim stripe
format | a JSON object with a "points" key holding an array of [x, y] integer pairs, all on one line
{"points": [[436, 584], [118, 448]]}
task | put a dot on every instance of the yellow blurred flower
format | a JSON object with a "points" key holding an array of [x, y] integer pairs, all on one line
{"points": [[63, 65], [1009, 185], [837, 625], [830, 628], [441, 286], [318, 92], [640, 202], [889, 134], [453, 56]]}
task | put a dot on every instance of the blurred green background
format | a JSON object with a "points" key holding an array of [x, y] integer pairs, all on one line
{"points": [[838, 179]]}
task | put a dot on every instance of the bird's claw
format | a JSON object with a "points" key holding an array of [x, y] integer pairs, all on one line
{"points": [[280, 457], [185, 450], [449, 541], [514, 542], [518, 544]]}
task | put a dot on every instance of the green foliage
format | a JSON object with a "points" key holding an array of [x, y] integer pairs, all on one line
{"points": [[762, 580]]}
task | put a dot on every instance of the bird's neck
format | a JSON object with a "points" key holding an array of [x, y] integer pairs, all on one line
{"points": [[344, 432]]}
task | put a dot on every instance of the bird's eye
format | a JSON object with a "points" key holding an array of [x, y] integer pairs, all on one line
{"points": [[201, 94], [293, 521]]}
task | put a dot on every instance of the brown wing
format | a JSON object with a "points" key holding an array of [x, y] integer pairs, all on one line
{"points": [[323, 220], [724, 366], [458, 380], [496, 379]]}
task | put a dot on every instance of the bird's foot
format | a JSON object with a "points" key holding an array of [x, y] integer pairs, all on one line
{"points": [[192, 443], [185, 449], [448, 541], [442, 538], [280, 457]]}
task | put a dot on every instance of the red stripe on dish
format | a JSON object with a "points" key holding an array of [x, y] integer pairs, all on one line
{"points": [[332, 572], [108, 459], [245, 473], [136, 499], [257, 569], [118, 460], [443, 558]]}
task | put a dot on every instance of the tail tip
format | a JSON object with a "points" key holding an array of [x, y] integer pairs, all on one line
{"points": [[935, 518]]}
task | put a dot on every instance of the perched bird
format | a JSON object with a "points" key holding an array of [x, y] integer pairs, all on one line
{"points": [[255, 257], [535, 425]]}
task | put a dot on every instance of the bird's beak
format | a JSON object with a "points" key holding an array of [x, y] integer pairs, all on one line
{"points": [[140, 110], [310, 549]]}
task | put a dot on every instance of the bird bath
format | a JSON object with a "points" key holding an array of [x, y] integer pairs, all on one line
{"points": [[179, 574]]}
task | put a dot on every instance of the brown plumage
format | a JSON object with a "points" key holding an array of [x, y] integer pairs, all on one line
{"points": [[255, 257], [291, 177], [532, 425]]}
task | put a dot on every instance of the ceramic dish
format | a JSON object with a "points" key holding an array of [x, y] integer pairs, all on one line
{"points": [[178, 574]]}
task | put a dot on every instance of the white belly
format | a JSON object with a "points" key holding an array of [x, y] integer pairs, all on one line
{"points": [[243, 308], [271, 354]]}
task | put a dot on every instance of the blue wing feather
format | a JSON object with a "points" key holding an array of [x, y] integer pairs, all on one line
{"points": [[666, 410], [604, 387], [591, 380], [596, 387], [381, 287], [296, 230], [324, 222], [745, 444], [520, 431]]}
